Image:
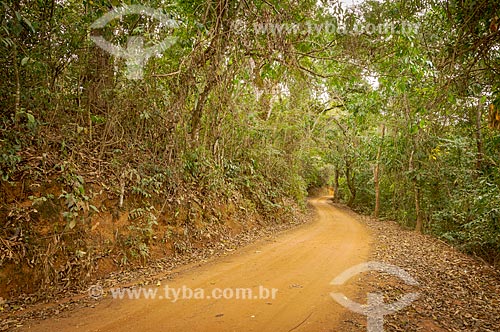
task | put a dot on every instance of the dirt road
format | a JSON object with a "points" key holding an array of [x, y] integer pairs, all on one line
{"points": [[299, 263]]}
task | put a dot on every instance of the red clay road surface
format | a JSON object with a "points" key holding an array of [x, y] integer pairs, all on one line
{"points": [[299, 263]]}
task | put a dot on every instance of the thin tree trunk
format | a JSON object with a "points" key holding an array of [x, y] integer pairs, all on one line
{"points": [[350, 183], [416, 189], [479, 139], [376, 176], [17, 105], [419, 224]]}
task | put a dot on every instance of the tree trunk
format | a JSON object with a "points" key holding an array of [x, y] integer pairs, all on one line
{"points": [[376, 176], [350, 183], [416, 190], [198, 110], [336, 196], [479, 139], [419, 223], [17, 104]]}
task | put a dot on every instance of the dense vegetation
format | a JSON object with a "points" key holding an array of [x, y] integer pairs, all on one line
{"points": [[245, 115]]}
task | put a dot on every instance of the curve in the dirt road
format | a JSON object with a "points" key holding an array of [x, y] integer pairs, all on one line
{"points": [[297, 265]]}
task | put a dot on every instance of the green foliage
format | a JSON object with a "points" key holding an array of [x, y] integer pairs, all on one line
{"points": [[75, 200], [141, 231], [9, 159]]}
